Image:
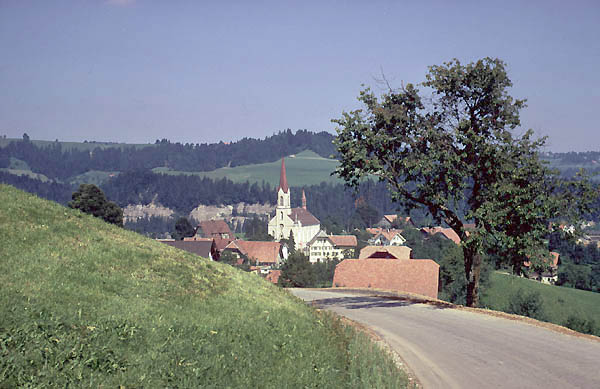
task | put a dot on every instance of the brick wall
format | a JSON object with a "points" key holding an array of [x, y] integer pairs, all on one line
{"points": [[414, 276]]}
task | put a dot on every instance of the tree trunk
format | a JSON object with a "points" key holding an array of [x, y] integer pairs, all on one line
{"points": [[472, 273]]}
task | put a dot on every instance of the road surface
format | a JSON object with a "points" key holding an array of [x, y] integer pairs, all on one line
{"points": [[451, 348]]}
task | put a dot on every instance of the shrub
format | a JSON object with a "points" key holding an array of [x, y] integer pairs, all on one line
{"points": [[526, 304], [580, 324]]}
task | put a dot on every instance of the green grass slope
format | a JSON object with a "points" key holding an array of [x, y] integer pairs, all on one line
{"points": [[559, 303], [87, 304], [305, 168]]}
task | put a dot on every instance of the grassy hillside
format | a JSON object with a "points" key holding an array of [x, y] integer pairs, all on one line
{"points": [[84, 303], [559, 303], [305, 168]]}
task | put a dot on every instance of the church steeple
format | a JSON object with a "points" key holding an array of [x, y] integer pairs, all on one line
{"points": [[283, 192], [282, 178], [303, 199]]}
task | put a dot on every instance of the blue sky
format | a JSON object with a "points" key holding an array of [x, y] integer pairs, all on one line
{"points": [[204, 71]]}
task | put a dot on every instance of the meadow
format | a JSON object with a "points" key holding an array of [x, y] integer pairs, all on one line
{"points": [[305, 168], [559, 304], [88, 304]]}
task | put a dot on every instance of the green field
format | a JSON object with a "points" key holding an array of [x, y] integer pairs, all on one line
{"points": [[95, 177], [88, 304], [305, 168], [559, 303]]}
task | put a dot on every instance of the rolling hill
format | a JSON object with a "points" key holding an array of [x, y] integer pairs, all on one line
{"points": [[85, 303], [559, 304], [305, 168]]}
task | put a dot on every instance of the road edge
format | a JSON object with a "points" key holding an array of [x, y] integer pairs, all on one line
{"points": [[420, 299]]}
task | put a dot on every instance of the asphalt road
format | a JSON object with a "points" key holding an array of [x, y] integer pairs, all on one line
{"points": [[451, 348]]}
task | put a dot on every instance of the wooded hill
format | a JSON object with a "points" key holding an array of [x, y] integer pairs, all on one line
{"points": [[60, 163]]}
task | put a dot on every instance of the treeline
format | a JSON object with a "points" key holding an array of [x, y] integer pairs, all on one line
{"points": [[60, 193], [58, 163], [182, 193]]}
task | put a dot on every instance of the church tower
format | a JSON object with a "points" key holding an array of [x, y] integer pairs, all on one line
{"points": [[283, 192], [288, 220]]}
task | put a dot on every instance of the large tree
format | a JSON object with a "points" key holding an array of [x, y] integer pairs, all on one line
{"points": [[454, 154]]}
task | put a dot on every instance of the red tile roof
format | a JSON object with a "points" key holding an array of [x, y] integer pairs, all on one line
{"points": [[343, 240], [552, 260], [374, 231], [273, 276], [221, 243], [214, 229], [416, 276], [263, 252], [303, 216], [202, 248], [282, 178], [390, 218], [448, 233], [395, 252]]}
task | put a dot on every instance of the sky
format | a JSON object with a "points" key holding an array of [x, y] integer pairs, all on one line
{"points": [[207, 71]]}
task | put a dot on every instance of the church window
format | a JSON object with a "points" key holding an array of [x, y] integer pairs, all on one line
{"points": [[281, 200]]}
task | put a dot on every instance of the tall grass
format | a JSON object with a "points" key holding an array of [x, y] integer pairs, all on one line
{"points": [[87, 304]]}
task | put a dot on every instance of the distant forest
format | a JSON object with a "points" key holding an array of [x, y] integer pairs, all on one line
{"points": [[57, 163], [333, 204]]}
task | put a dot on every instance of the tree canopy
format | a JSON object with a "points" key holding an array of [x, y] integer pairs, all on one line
{"points": [[453, 153], [90, 199]]}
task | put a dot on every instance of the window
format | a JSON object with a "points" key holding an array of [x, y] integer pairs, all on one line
{"points": [[281, 200]]}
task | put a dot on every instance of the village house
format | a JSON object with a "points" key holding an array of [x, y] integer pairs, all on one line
{"points": [[390, 252], [446, 233], [386, 237], [262, 254], [204, 247], [387, 221], [216, 229], [547, 276], [324, 247], [287, 220]]}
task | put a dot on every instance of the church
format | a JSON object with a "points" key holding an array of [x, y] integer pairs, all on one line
{"points": [[298, 221]]}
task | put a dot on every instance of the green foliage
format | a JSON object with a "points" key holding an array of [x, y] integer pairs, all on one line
{"points": [[297, 272], [526, 304], [255, 229], [290, 243], [323, 273], [368, 214], [456, 157], [90, 199], [86, 304], [239, 261], [183, 229], [580, 324]]}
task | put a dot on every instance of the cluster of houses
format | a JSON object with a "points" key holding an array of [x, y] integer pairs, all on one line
{"points": [[213, 238]]}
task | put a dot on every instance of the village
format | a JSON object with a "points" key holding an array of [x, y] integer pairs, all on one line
{"points": [[383, 262]]}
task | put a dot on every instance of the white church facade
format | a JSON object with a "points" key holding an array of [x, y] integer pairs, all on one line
{"points": [[298, 221]]}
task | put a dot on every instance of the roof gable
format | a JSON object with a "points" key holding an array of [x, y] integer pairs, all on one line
{"points": [[394, 252], [214, 227], [202, 247], [343, 240], [263, 252]]}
